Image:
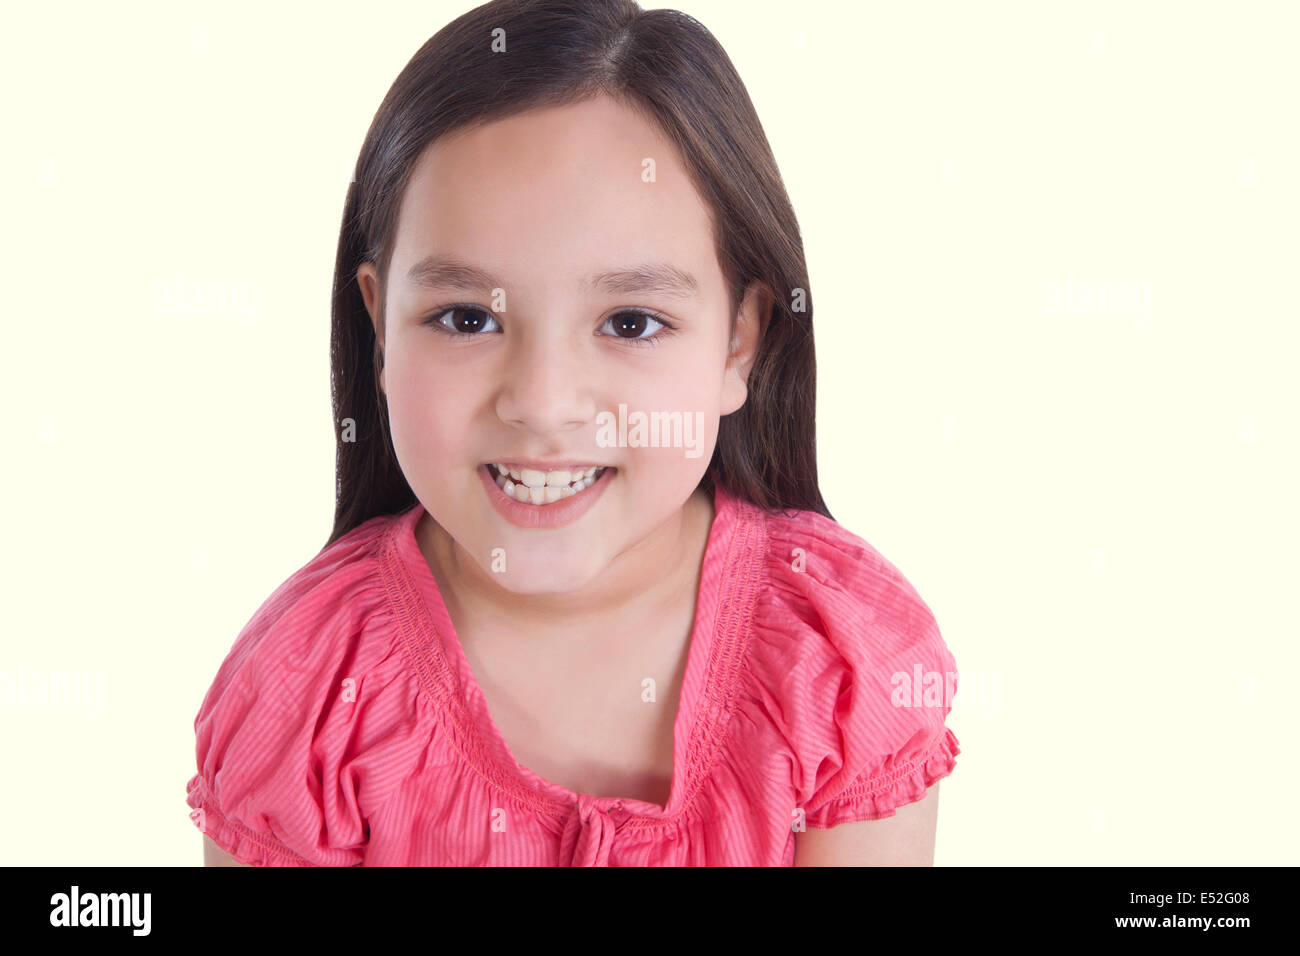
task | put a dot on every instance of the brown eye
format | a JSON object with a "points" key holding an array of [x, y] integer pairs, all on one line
{"points": [[630, 325], [465, 320]]}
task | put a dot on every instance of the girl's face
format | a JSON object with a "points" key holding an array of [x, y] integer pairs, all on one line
{"points": [[548, 269]]}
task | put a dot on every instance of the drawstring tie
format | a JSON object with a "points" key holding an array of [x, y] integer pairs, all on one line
{"points": [[589, 833]]}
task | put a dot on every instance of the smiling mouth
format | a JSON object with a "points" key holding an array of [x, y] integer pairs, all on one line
{"points": [[543, 488]]}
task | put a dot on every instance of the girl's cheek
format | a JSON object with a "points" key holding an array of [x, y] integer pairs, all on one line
{"points": [[423, 432]]}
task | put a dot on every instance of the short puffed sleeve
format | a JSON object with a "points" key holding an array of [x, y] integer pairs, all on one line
{"points": [[285, 743], [860, 681]]}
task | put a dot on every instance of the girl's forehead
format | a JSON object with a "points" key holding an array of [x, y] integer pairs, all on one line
{"points": [[600, 124], [569, 180], [592, 153]]}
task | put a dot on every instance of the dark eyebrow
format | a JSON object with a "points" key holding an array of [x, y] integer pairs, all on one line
{"points": [[448, 272], [656, 278]]}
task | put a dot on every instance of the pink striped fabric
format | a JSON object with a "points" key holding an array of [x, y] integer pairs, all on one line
{"points": [[345, 726]]}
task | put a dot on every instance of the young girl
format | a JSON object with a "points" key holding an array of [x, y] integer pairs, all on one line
{"points": [[583, 603]]}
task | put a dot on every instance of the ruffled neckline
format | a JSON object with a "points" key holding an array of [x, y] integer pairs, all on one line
{"points": [[730, 580]]}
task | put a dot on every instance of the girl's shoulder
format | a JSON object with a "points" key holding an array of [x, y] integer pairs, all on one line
{"points": [[852, 669], [311, 686], [814, 560], [321, 608]]}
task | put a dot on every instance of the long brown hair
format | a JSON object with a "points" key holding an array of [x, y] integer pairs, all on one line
{"points": [[668, 66]]}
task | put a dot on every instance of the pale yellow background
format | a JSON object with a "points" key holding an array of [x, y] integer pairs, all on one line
{"points": [[1096, 498]]}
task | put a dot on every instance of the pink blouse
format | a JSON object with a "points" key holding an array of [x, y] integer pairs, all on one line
{"points": [[345, 726]]}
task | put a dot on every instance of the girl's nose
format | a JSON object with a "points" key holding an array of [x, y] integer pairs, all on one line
{"points": [[547, 385]]}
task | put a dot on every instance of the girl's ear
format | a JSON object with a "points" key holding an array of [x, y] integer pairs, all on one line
{"points": [[751, 322], [368, 281]]}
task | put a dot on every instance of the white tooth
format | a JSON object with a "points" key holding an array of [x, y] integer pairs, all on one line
{"points": [[546, 487]]}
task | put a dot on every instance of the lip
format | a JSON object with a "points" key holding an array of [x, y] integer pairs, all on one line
{"points": [[554, 515]]}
